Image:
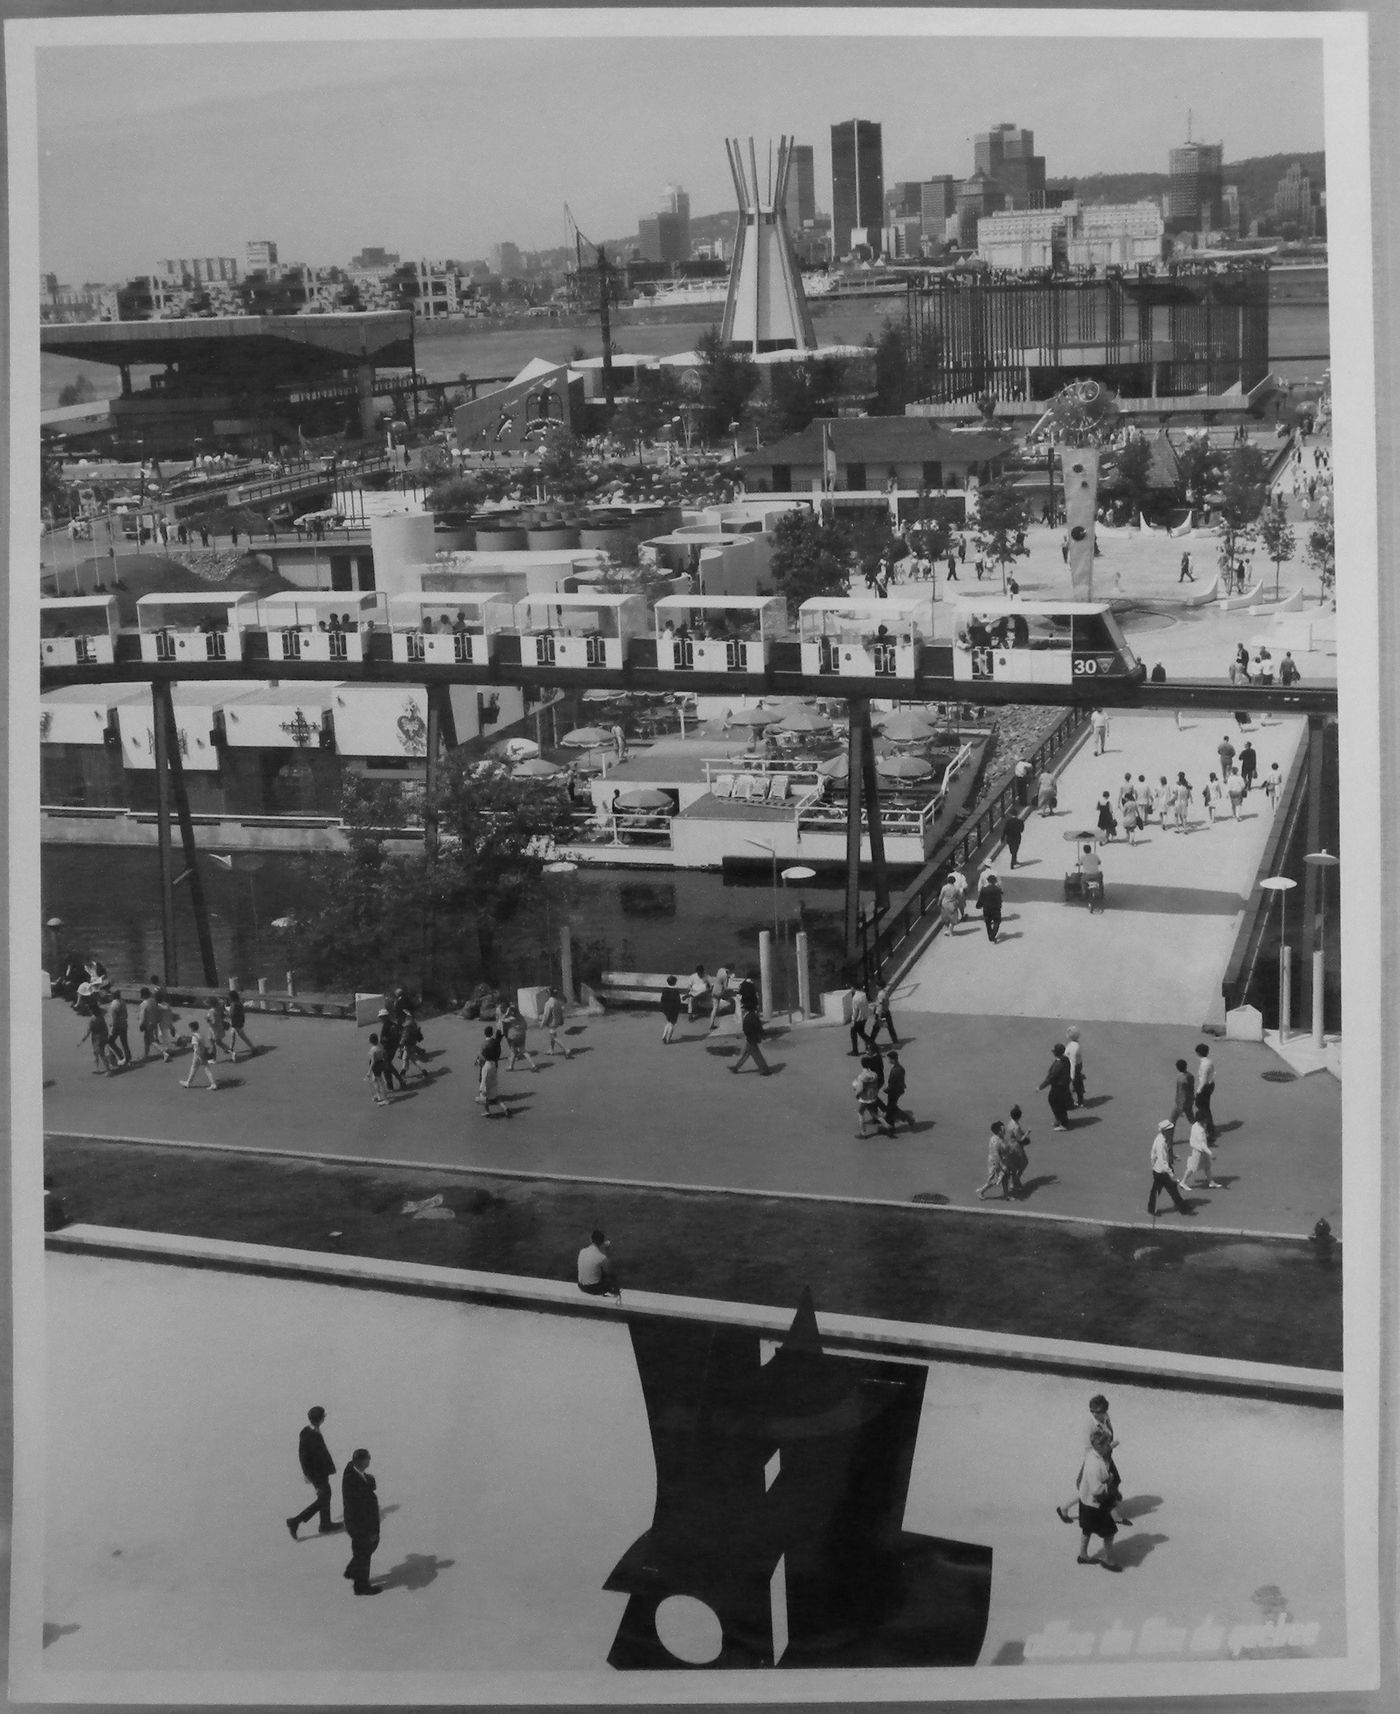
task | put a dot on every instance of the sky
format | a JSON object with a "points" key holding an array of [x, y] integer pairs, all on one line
{"points": [[442, 148]]}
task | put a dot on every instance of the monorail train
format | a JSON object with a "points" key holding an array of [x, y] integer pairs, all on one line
{"points": [[1013, 641], [995, 638]]}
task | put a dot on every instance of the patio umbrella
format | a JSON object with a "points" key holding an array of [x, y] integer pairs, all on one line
{"points": [[804, 720], [905, 727], [535, 768], [516, 749], [837, 767], [754, 717], [903, 768], [645, 797], [586, 738], [1090, 833]]}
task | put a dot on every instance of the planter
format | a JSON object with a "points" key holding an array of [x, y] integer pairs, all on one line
{"points": [[545, 538], [506, 539]]}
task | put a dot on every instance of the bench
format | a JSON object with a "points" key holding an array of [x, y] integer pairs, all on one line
{"points": [[636, 988], [281, 1005]]}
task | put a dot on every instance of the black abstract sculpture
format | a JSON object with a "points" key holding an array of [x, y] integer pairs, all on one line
{"points": [[780, 1496]]}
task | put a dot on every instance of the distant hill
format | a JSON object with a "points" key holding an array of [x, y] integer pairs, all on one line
{"points": [[1256, 177]]}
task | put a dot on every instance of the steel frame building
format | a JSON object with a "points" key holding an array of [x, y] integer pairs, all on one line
{"points": [[1148, 335]]}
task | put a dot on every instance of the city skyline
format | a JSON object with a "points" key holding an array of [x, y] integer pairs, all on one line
{"points": [[202, 146]]}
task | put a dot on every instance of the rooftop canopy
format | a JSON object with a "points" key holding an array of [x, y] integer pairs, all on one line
{"points": [[328, 342]]}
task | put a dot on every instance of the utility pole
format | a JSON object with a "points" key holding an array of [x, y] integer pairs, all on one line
{"points": [[605, 325]]}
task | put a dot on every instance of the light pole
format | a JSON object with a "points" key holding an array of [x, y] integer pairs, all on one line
{"points": [[767, 953], [1282, 886], [800, 872], [1322, 861]]}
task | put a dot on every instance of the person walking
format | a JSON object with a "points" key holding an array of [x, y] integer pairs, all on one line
{"points": [[1058, 1082], [237, 1016], [1288, 673], [1186, 575], [1098, 722], [201, 1058], [752, 1027], [1166, 802], [998, 1161], [216, 1023], [1047, 793], [1146, 800], [1205, 1090], [1074, 1053], [1017, 1141], [553, 1020], [719, 996], [1226, 752], [411, 1041], [148, 1022], [117, 1030], [1099, 1419], [1234, 791], [378, 1073], [895, 1084], [1132, 820], [1183, 1095], [97, 1035], [866, 1085], [1272, 784], [670, 1003], [1249, 766], [1211, 793], [359, 1502], [488, 1065], [597, 1275], [1108, 826], [1200, 1156], [881, 1018], [513, 1031], [1163, 1171], [989, 902], [389, 1043], [1181, 802], [1012, 832], [1021, 783], [858, 1007], [317, 1466], [1096, 1502]]}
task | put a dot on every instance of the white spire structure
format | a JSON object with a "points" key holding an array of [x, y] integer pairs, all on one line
{"points": [[766, 309]]}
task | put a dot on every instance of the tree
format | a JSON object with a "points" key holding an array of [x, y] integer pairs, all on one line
{"points": [[905, 368], [564, 468], [1322, 547], [1129, 482], [1003, 516], [810, 558], [1278, 539], [1244, 490], [728, 380], [798, 394], [935, 528], [1199, 465], [654, 404], [77, 392]]}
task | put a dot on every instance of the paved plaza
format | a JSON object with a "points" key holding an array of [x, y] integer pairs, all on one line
{"points": [[514, 1466], [1173, 901]]}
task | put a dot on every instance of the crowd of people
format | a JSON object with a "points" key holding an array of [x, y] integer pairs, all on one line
{"points": [[107, 1024]]}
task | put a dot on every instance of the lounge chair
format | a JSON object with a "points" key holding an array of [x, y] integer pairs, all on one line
{"points": [[723, 785]]}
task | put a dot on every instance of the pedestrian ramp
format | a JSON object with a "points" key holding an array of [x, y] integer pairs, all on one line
{"points": [[1174, 902]]}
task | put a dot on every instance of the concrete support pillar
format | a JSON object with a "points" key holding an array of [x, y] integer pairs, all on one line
{"points": [[364, 393], [765, 971], [1319, 960], [566, 963], [1285, 992], [804, 975]]}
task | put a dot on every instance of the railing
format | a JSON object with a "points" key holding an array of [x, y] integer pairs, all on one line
{"points": [[960, 851], [1244, 955]]}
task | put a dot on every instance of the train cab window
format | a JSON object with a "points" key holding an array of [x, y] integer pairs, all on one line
{"points": [[1092, 634]]}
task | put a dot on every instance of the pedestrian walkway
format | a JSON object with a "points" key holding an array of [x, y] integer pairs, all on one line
{"points": [[515, 1469], [626, 1108], [1157, 952]]}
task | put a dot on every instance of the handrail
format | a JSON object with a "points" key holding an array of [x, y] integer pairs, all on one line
{"points": [[1244, 954], [960, 850]]}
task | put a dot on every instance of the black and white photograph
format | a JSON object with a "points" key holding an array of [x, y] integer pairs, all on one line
{"points": [[839, 543]]}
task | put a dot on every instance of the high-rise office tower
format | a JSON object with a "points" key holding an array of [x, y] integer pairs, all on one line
{"points": [[262, 255], [857, 184], [675, 201], [801, 203], [1006, 154], [1196, 192]]}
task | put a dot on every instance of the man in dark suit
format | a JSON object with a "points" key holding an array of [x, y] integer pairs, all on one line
{"points": [[361, 1506], [318, 1467]]}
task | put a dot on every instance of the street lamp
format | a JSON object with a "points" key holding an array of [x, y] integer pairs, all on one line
{"points": [[1282, 886], [1322, 861]]}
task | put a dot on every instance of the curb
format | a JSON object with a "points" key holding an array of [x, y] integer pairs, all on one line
{"points": [[384, 1164], [1320, 1388]]}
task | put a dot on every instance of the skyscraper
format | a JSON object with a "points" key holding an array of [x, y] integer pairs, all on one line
{"points": [[676, 201], [1196, 192], [1006, 154], [857, 184], [262, 255], [801, 205]]}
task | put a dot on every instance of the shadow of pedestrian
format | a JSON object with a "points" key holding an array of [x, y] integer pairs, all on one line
{"points": [[226, 1083], [53, 1632], [1131, 1553], [1010, 1654], [414, 1571], [403, 1094], [1030, 1185], [1094, 1101], [1015, 935], [1140, 1506], [723, 1050], [1229, 1125]]}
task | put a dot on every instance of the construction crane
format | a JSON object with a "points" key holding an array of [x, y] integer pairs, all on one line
{"points": [[598, 260]]}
